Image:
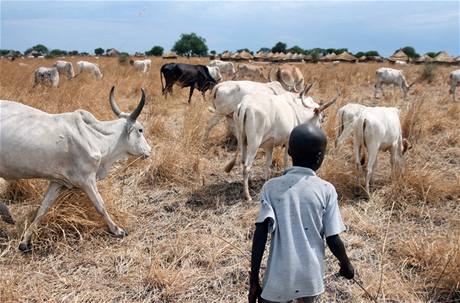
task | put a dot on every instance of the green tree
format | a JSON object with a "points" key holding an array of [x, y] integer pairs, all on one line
{"points": [[213, 52], [191, 44], [99, 51], [360, 54], [73, 53], [372, 53], [57, 52], [410, 51], [279, 47], [264, 49], [155, 51], [432, 54], [39, 48], [296, 50]]}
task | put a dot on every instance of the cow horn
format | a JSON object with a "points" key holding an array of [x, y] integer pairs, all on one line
{"points": [[113, 104], [139, 107], [305, 91], [327, 104]]}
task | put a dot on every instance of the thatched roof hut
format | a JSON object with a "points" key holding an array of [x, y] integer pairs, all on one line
{"points": [[297, 58], [423, 59], [346, 57], [278, 57], [269, 57], [329, 57], [243, 56], [307, 58], [399, 55], [443, 57], [260, 56], [226, 56], [170, 55], [362, 59], [457, 60], [113, 53]]}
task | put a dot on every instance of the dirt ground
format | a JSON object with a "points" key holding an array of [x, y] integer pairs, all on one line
{"points": [[189, 228]]}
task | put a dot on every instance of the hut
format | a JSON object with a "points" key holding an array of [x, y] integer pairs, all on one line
{"points": [[346, 57], [399, 55], [243, 56], [328, 58], [443, 58], [423, 59], [269, 57], [278, 57], [260, 56], [456, 60], [307, 58], [170, 55], [226, 56], [297, 58]]}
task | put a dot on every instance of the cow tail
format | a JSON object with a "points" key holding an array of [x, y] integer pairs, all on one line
{"points": [[213, 96], [161, 79], [358, 139], [363, 140]]}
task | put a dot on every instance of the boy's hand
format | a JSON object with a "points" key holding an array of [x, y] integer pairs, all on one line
{"points": [[347, 271], [254, 292]]}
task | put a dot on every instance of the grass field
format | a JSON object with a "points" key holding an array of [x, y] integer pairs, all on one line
{"points": [[189, 229]]}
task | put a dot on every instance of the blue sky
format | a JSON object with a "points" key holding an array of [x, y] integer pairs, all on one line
{"points": [[138, 25]]}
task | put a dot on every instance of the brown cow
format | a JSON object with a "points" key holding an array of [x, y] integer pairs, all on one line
{"points": [[248, 71], [289, 76]]}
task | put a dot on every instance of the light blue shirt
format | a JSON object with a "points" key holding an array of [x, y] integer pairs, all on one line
{"points": [[302, 210]]}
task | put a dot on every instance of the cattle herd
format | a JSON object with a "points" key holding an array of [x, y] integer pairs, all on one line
{"points": [[75, 149]]}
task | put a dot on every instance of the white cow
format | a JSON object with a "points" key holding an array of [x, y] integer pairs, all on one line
{"points": [[378, 128], [214, 71], [399, 62], [66, 68], [142, 65], [345, 119], [89, 67], [226, 97], [225, 67], [454, 79], [385, 75], [46, 76], [71, 150], [250, 71], [266, 120]]}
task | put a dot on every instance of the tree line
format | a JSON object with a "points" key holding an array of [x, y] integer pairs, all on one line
{"points": [[195, 45]]}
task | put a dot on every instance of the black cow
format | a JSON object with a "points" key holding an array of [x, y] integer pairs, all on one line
{"points": [[185, 75]]}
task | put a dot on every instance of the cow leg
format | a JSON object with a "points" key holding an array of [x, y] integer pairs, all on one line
{"points": [[204, 95], [249, 154], [357, 156], [93, 194], [50, 196], [191, 93], [268, 161], [372, 151]]}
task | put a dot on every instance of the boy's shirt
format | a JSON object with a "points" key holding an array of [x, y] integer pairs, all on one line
{"points": [[302, 210]]}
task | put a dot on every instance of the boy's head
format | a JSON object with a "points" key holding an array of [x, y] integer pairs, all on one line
{"points": [[307, 146]]}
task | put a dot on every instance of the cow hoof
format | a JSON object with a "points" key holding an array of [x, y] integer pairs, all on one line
{"points": [[120, 233], [24, 247]]}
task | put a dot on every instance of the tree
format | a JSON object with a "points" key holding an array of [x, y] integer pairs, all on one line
{"points": [[99, 51], [191, 44], [57, 52], [264, 49], [410, 51], [39, 48], [372, 53], [279, 47], [155, 51], [432, 54], [213, 52], [296, 50], [73, 53]]}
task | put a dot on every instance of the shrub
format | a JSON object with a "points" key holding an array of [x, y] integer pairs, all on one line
{"points": [[123, 58], [428, 73]]}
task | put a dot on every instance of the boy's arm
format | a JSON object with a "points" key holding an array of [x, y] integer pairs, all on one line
{"points": [[258, 247], [337, 247]]}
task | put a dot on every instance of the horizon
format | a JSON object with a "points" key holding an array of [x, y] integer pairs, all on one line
{"points": [[138, 26]]}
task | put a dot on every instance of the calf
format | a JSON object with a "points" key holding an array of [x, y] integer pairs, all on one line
{"points": [[47, 76], [186, 75], [454, 79], [385, 75], [66, 68], [225, 67], [141, 65], [378, 128], [90, 67]]}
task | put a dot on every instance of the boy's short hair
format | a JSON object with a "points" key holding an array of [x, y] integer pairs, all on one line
{"points": [[307, 144]]}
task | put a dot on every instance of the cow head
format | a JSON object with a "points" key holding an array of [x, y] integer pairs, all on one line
{"points": [[134, 131]]}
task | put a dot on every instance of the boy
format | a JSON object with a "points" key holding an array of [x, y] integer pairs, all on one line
{"points": [[299, 209]]}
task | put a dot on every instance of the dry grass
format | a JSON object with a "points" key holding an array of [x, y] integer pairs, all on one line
{"points": [[189, 231]]}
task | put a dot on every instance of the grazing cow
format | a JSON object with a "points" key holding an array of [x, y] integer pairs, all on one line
{"points": [[346, 116], [266, 120], [71, 150], [250, 71], [378, 128], [141, 65], [225, 67], [186, 75], [399, 62], [336, 62], [46, 76], [385, 75], [66, 68], [454, 79], [226, 97], [289, 76], [214, 71], [89, 67]]}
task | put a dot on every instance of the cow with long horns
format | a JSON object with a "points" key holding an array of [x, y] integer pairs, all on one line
{"points": [[266, 120], [71, 149]]}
